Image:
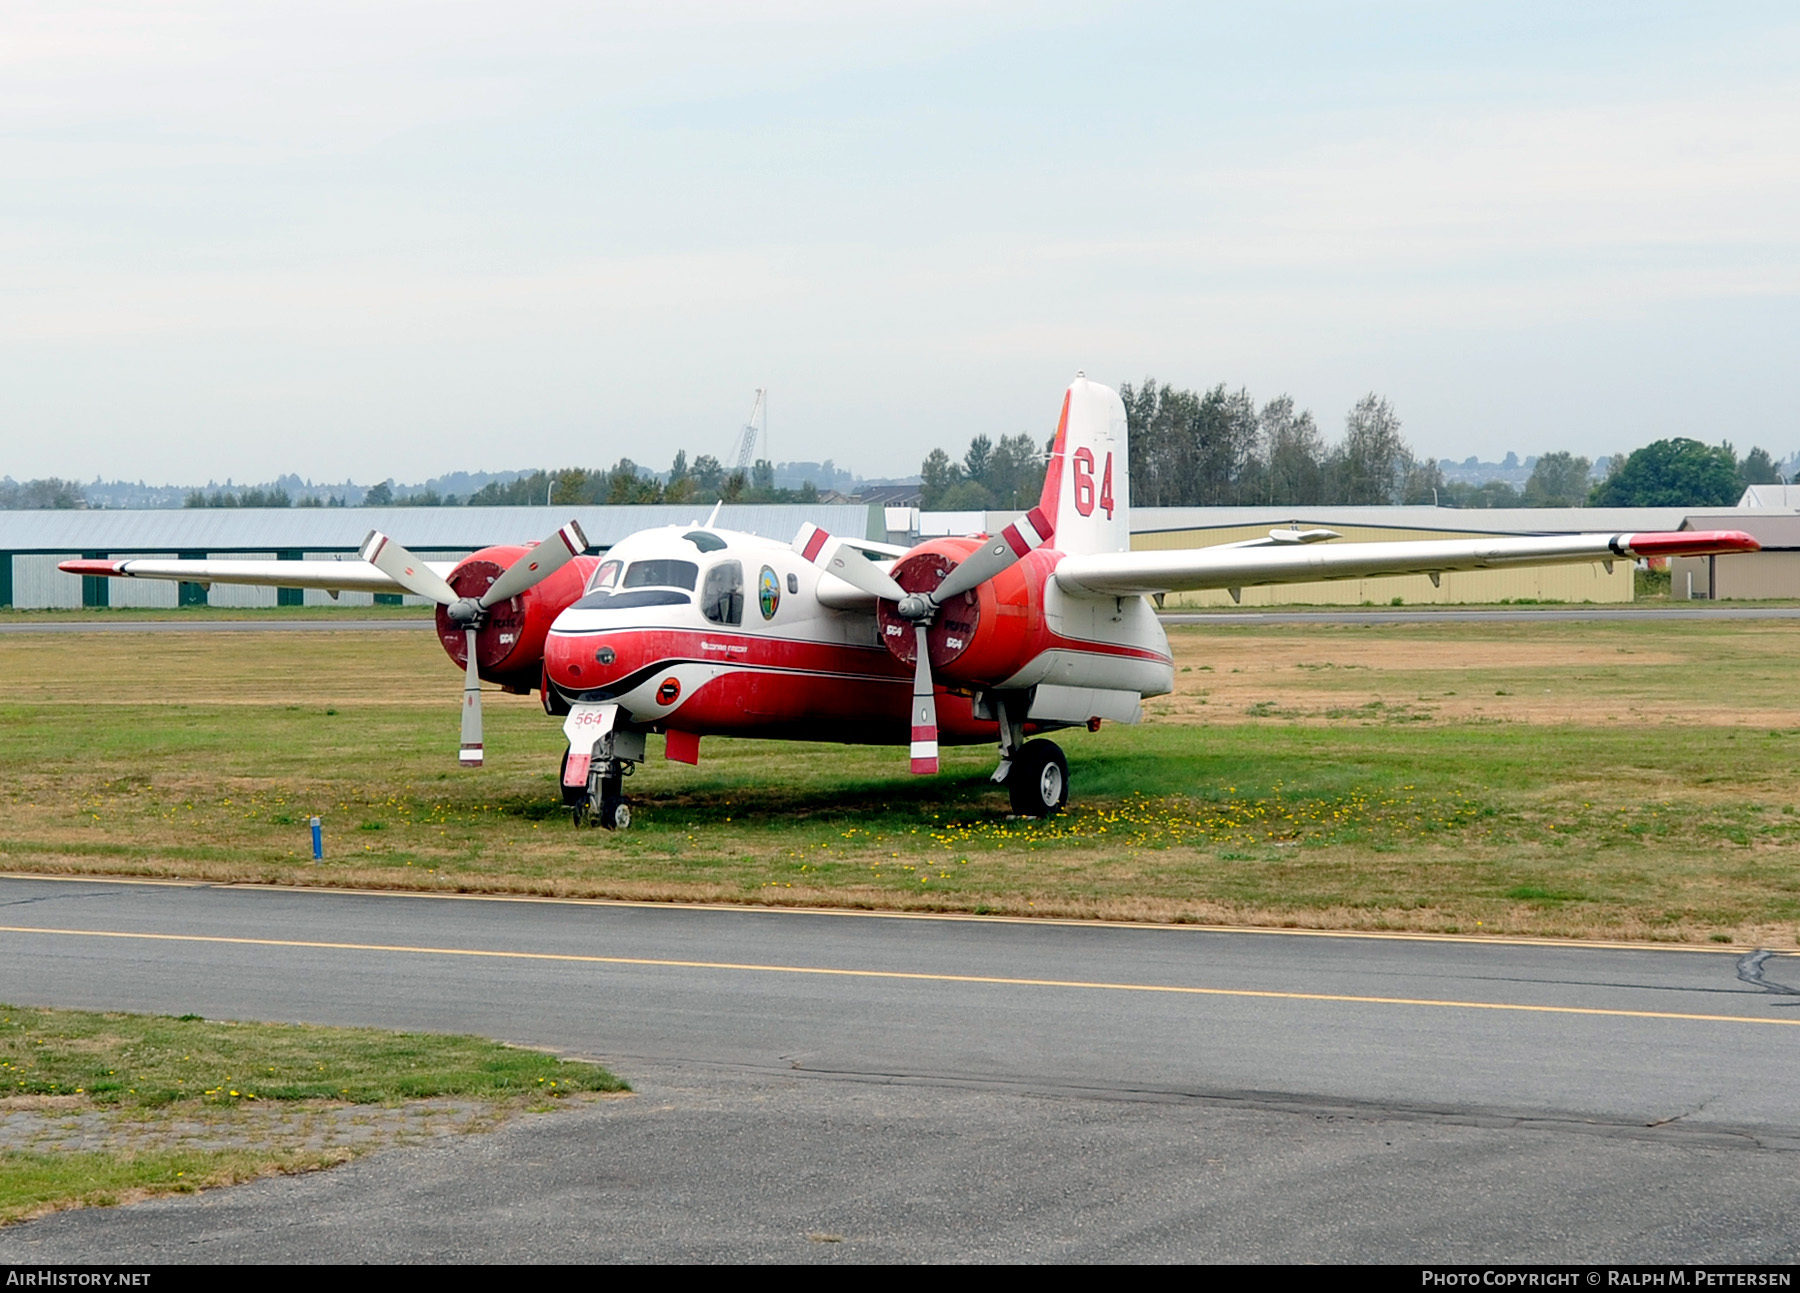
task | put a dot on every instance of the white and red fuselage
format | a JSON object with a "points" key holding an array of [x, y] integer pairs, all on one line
{"points": [[702, 631]]}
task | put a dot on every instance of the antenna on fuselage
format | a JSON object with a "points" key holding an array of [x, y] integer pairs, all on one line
{"points": [[714, 518]]}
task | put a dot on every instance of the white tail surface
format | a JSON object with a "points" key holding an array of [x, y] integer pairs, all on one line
{"points": [[1087, 487]]}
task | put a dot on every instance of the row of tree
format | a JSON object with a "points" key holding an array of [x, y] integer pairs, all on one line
{"points": [[51, 492], [1218, 448], [625, 482], [704, 480], [1683, 473], [1211, 449], [1005, 475], [254, 497]]}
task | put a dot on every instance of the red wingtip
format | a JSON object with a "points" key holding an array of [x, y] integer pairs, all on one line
{"points": [[90, 566], [1691, 543]]}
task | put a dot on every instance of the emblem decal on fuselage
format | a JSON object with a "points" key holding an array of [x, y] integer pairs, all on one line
{"points": [[768, 593], [669, 692]]}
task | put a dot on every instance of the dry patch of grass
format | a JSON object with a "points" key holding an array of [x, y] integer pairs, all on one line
{"points": [[1578, 673], [97, 1109]]}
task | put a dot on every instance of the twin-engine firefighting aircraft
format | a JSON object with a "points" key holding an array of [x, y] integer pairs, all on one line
{"points": [[697, 631]]}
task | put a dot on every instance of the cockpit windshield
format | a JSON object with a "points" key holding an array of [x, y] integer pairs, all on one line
{"points": [[662, 573], [652, 582]]}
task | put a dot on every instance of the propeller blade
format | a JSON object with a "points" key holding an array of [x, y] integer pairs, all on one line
{"points": [[537, 564], [846, 562], [1033, 530], [924, 709], [405, 569], [470, 756], [855, 569]]}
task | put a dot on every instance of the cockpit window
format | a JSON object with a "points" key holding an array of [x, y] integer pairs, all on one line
{"points": [[605, 577], [704, 541], [661, 573], [722, 600]]}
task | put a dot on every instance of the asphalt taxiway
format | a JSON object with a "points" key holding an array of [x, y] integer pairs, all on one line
{"points": [[839, 1086]]}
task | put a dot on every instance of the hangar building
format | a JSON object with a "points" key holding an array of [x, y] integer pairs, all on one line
{"points": [[1773, 572]]}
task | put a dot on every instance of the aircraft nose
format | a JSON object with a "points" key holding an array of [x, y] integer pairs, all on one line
{"points": [[577, 662]]}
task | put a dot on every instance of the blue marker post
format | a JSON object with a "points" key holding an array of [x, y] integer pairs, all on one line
{"points": [[318, 841]]}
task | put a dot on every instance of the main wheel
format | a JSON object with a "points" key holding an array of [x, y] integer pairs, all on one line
{"points": [[1039, 781], [615, 815]]}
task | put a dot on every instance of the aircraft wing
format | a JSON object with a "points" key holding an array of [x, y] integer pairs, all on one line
{"points": [[1119, 574], [331, 576]]}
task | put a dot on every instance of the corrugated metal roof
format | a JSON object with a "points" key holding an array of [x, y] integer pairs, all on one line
{"points": [[222, 529], [1772, 497]]}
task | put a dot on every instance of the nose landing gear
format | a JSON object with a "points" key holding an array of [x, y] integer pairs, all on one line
{"points": [[602, 801], [601, 754]]}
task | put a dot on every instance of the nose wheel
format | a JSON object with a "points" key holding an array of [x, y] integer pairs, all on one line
{"points": [[1038, 781], [602, 802]]}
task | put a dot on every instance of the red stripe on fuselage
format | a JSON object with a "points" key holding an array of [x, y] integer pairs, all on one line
{"points": [[1056, 641]]}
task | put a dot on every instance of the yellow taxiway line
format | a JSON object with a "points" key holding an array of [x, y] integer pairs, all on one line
{"points": [[905, 975], [865, 913]]}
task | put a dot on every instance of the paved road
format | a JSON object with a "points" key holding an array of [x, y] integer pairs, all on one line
{"points": [[942, 1089]]}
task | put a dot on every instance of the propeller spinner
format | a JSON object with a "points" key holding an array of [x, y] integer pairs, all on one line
{"points": [[538, 563], [996, 554]]}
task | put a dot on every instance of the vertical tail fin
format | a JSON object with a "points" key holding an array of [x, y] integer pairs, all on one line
{"points": [[1087, 486]]}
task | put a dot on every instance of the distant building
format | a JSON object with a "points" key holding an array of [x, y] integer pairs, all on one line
{"points": [[1774, 498], [1772, 573], [890, 495]]}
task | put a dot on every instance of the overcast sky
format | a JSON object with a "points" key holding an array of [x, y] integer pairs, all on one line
{"points": [[385, 238]]}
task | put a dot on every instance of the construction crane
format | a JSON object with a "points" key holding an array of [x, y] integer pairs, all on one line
{"points": [[746, 452]]}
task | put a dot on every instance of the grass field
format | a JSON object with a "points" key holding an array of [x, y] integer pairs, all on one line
{"points": [[1634, 780], [105, 1108]]}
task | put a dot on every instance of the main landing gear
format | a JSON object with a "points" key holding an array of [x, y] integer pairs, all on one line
{"points": [[1035, 774], [1038, 782]]}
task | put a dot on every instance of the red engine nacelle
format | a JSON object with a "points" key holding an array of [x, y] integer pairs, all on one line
{"points": [[982, 637], [509, 646]]}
